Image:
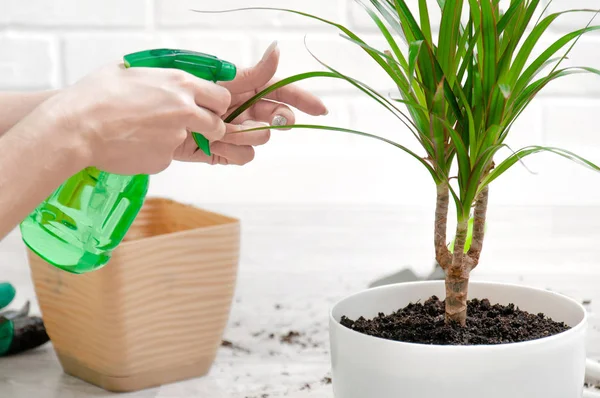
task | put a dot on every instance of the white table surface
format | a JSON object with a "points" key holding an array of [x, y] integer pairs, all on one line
{"points": [[297, 260]]}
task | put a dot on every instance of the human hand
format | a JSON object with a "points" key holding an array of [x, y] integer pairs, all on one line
{"points": [[238, 148], [132, 121]]}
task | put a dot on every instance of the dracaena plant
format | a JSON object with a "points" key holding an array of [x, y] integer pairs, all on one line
{"points": [[459, 95]]}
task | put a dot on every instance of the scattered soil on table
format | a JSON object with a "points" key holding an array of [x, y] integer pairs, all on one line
{"points": [[291, 338], [294, 337], [235, 347], [306, 386], [486, 324], [326, 380]]}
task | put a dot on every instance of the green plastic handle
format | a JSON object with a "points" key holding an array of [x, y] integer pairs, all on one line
{"points": [[204, 66], [7, 333], [7, 294]]}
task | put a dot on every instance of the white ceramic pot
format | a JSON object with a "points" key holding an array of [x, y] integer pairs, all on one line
{"points": [[369, 367]]}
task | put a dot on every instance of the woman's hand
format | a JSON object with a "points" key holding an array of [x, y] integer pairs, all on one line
{"points": [[133, 121], [238, 148]]}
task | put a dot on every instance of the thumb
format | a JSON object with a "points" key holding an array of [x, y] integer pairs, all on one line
{"points": [[257, 76]]}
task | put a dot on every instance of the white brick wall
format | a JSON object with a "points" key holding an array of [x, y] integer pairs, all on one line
{"points": [[74, 13], [28, 61], [52, 43]]}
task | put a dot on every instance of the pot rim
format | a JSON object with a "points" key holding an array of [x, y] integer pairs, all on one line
{"points": [[544, 340], [211, 228]]}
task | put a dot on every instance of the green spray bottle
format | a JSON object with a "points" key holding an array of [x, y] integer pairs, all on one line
{"points": [[86, 218]]}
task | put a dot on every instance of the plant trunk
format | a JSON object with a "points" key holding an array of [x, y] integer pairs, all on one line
{"points": [[457, 278], [478, 227], [442, 254]]}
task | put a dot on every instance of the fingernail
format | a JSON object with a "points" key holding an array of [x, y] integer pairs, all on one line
{"points": [[326, 112], [252, 123], [279, 121], [269, 50]]}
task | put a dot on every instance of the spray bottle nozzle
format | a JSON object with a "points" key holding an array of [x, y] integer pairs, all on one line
{"points": [[203, 66]]}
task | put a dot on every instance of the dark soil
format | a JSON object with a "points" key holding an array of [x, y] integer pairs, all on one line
{"points": [[486, 324]]}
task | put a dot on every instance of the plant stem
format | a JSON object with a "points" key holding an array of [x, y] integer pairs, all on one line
{"points": [[442, 254], [457, 277], [479, 227]]}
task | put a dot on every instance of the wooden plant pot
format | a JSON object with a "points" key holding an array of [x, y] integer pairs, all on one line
{"points": [[157, 311]]}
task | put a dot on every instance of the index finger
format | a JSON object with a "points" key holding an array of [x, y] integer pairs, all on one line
{"points": [[299, 98]]}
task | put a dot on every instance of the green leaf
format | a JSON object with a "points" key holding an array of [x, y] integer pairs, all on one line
{"points": [[342, 28], [512, 11], [414, 34], [431, 72], [511, 36], [527, 151], [478, 172], [389, 14], [490, 44], [425, 22], [468, 58], [417, 132], [548, 4], [436, 127], [407, 21], [448, 38], [351, 131], [462, 156], [284, 82], [413, 53], [527, 95], [475, 12], [401, 82], [518, 29], [462, 54], [505, 90], [532, 39], [386, 33], [416, 95]]}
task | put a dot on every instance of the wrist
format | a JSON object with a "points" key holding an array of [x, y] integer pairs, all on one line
{"points": [[67, 134], [50, 125]]}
